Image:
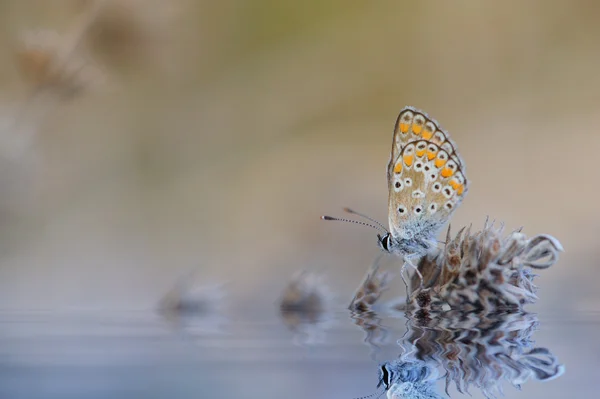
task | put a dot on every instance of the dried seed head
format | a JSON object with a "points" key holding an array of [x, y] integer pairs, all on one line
{"points": [[305, 307], [306, 293], [485, 271], [513, 247], [370, 290], [39, 57], [130, 32], [541, 252], [189, 296]]}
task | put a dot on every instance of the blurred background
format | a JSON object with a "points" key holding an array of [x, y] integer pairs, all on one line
{"points": [[142, 139]]}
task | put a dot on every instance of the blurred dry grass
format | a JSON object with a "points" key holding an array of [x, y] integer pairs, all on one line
{"points": [[229, 127]]}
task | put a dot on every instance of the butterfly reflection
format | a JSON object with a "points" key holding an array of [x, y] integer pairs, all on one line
{"points": [[467, 350]]}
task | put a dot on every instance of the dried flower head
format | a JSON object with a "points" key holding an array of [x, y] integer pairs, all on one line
{"points": [[370, 290], [48, 66], [126, 32], [189, 296], [306, 293], [483, 271], [305, 307]]}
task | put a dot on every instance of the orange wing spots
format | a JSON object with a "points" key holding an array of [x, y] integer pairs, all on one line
{"points": [[429, 130], [440, 162], [421, 147], [416, 128], [447, 172], [398, 168], [432, 151], [418, 122], [459, 188], [405, 121], [408, 160]]}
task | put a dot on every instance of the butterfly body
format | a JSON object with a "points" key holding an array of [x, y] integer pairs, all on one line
{"points": [[416, 246]]}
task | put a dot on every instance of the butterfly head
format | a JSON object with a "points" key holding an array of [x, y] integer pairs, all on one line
{"points": [[385, 377], [384, 241], [415, 246]]}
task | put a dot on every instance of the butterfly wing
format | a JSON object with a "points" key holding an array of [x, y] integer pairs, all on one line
{"points": [[426, 177], [413, 124]]}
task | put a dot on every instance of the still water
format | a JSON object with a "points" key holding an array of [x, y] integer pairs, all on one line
{"points": [[293, 355]]}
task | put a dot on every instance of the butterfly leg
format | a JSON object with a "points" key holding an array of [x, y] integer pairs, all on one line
{"points": [[408, 261]]}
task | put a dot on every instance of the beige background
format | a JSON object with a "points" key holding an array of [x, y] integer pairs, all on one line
{"points": [[220, 142]]}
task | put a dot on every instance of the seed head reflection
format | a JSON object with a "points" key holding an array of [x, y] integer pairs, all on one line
{"points": [[467, 350]]}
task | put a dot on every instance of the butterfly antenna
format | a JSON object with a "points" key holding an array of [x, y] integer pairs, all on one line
{"points": [[353, 221], [371, 395], [353, 212]]}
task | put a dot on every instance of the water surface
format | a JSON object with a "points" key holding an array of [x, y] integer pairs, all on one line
{"points": [[264, 355]]}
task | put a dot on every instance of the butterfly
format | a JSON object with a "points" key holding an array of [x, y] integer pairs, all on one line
{"points": [[399, 377], [426, 184]]}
